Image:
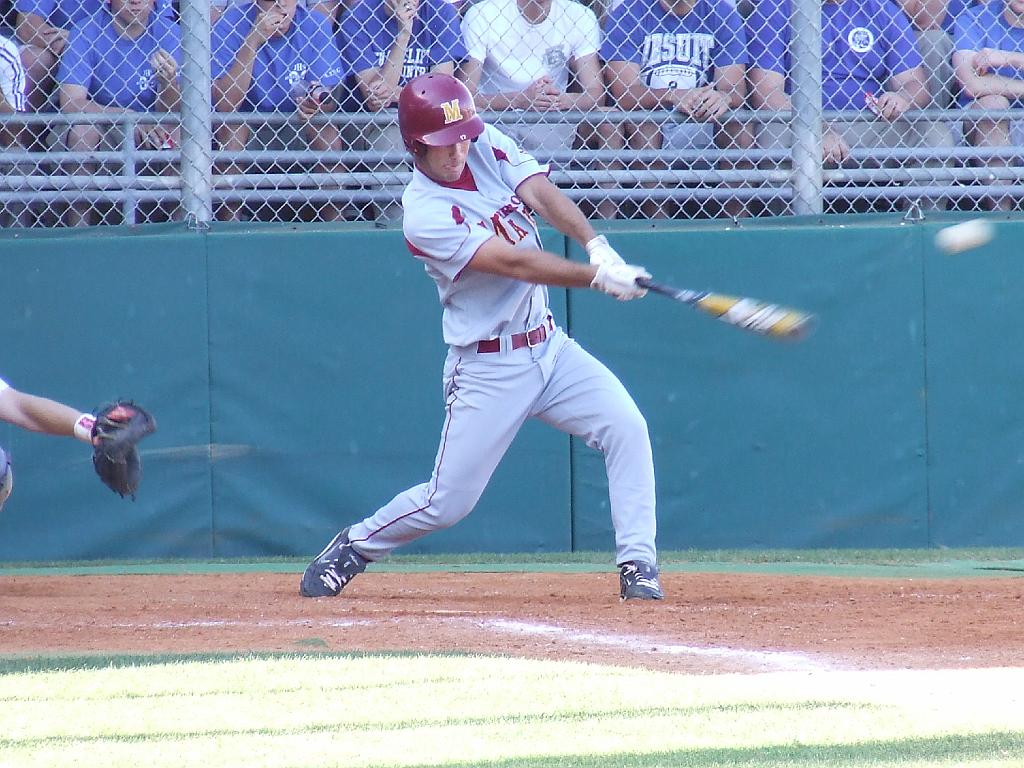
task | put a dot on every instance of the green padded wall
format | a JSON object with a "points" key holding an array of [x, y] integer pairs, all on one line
{"points": [[87, 318], [975, 382], [760, 443], [326, 368], [295, 373]]}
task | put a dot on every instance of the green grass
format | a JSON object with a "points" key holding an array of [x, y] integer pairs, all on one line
{"points": [[321, 710], [665, 557], [942, 563]]}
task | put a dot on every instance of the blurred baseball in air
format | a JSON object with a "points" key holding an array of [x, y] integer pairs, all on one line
{"points": [[963, 237]]}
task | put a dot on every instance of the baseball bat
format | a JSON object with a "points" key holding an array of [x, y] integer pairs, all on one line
{"points": [[771, 320]]}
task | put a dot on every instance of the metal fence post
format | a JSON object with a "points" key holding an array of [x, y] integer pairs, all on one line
{"points": [[805, 75], [196, 113]]}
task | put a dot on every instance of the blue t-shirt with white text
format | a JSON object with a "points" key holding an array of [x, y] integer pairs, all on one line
{"points": [[675, 51], [368, 33], [305, 53]]}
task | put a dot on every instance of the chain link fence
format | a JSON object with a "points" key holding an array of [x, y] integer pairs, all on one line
{"points": [[130, 111]]}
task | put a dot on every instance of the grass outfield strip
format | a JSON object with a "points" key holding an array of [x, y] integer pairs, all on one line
{"points": [[896, 563], [278, 711]]}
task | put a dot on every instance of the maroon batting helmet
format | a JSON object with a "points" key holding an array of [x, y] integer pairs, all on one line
{"points": [[436, 110]]}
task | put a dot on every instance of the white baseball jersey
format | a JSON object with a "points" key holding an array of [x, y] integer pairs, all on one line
{"points": [[515, 52], [445, 224], [3, 385], [489, 394], [12, 75]]}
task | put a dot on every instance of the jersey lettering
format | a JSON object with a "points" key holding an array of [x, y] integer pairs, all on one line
{"points": [[504, 218], [518, 230], [146, 80], [457, 216], [692, 48], [409, 71], [500, 230], [414, 64], [506, 214]]}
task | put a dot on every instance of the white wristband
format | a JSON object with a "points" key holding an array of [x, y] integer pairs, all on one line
{"points": [[83, 427], [596, 242]]}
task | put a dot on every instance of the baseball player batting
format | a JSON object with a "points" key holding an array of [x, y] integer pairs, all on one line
{"points": [[469, 218], [112, 432]]}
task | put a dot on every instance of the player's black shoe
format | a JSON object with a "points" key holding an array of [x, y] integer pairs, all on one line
{"points": [[639, 581], [332, 569]]}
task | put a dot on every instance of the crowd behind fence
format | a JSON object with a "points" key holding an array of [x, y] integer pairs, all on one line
{"points": [[129, 111]]}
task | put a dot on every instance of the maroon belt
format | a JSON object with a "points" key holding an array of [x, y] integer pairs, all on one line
{"points": [[517, 340]]}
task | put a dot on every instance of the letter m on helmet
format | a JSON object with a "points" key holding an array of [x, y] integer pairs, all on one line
{"points": [[452, 111]]}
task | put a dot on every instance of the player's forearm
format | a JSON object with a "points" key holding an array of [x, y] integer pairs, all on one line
{"points": [[39, 414], [532, 265]]}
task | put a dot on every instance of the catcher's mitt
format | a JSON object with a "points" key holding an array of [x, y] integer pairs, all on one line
{"points": [[119, 426]]}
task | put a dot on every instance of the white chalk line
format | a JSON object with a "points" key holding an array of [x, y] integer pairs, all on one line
{"points": [[774, 660], [640, 644]]}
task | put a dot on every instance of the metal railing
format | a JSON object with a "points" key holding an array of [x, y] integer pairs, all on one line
{"points": [[197, 179]]}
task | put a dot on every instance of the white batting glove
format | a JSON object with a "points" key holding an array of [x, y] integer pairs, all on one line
{"points": [[619, 280], [601, 253]]}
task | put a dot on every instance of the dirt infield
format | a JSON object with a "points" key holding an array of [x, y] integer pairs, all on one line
{"points": [[709, 623]]}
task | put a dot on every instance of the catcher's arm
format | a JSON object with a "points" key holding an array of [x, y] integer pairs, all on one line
{"points": [[40, 414]]}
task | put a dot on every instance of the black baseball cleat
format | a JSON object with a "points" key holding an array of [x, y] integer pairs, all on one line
{"points": [[332, 569], [639, 581]]}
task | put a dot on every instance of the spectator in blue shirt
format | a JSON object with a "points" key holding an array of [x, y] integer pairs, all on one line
{"points": [[42, 28], [272, 56], [389, 42], [932, 21], [685, 55], [124, 59], [869, 62], [988, 59], [386, 44]]}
